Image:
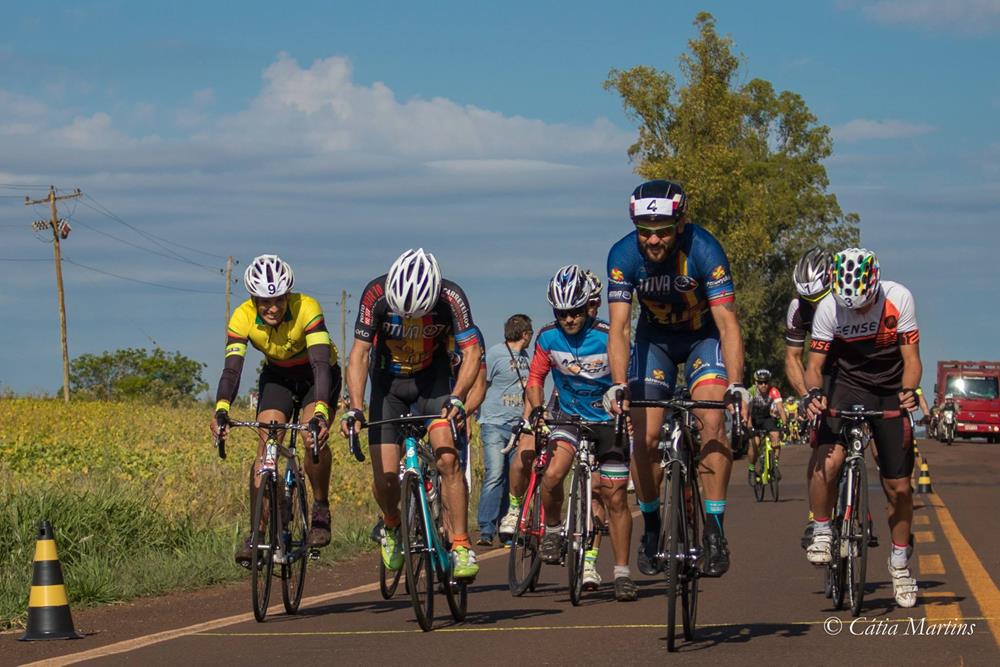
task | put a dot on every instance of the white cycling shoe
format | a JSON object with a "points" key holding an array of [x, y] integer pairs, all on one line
{"points": [[509, 523], [591, 577], [904, 586], [819, 551]]}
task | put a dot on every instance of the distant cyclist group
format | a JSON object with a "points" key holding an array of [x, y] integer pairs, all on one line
{"points": [[416, 344]]}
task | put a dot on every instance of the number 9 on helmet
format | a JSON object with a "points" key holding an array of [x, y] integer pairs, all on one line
{"points": [[268, 276]]}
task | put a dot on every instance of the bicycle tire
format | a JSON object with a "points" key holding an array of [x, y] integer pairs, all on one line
{"points": [[772, 481], [416, 555], [860, 534], [525, 561], [671, 538], [263, 540], [293, 574], [758, 482], [576, 533], [837, 565], [689, 593], [388, 580]]}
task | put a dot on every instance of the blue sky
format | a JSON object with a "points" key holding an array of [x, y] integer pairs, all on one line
{"points": [[339, 134]]}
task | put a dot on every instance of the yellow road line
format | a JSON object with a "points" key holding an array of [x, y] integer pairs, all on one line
{"points": [[923, 537], [980, 583], [930, 564], [921, 520], [940, 611]]}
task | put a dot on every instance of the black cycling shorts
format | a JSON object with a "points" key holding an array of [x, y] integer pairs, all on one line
{"points": [[893, 437], [425, 393], [278, 387], [767, 424], [607, 448]]}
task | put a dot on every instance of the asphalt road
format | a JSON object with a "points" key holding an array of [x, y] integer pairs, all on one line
{"points": [[769, 607]]}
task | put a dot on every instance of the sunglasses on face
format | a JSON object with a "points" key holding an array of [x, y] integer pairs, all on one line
{"points": [[645, 231], [570, 314]]}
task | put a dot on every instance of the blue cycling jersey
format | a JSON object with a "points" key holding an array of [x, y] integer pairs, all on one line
{"points": [[675, 294], [579, 365]]}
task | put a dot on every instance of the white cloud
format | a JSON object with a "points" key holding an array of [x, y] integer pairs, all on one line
{"points": [[863, 129], [965, 15]]}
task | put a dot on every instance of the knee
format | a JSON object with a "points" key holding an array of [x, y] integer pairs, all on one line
{"points": [[447, 462]]}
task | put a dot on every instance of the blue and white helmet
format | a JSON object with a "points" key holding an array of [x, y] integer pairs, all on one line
{"points": [[413, 284], [268, 276], [569, 288]]}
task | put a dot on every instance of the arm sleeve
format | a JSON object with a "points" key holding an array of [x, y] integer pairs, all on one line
{"points": [[909, 333], [464, 328], [237, 335], [824, 324], [541, 363], [795, 335], [620, 278], [369, 310]]}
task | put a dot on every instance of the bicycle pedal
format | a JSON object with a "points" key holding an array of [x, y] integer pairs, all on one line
{"points": [[314, 554]]}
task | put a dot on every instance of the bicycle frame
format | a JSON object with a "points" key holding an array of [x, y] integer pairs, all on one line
{"points": [[412, 463]]}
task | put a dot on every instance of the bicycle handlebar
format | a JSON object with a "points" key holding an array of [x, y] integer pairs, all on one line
{"points": [[220, 440], [355, 444], [856, 414]]}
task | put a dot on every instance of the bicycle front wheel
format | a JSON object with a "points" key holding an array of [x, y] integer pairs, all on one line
{"points": [[295, 535], [263, 542], [860, 533], [672, 544], [417, 555], [772, 482], [576, 533], [689, 593], [525, 560], [759, 470]]}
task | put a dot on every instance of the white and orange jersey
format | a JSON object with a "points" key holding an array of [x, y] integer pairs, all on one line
{"points": [[864, 344]]}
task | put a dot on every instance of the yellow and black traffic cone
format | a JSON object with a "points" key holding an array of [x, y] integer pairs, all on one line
{"points": [[48, 608], [924, 481]]}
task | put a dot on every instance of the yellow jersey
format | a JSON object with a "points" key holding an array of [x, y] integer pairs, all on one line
{"points": [[284, 345]]}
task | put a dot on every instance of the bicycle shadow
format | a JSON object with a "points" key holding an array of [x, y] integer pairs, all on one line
{"points": [[709, 637], [372, 606]]}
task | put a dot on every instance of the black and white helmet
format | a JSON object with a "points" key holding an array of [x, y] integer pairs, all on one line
{"points": [[569, 288], [596, 287], [268, 276], [813, 274], [413, 285]]}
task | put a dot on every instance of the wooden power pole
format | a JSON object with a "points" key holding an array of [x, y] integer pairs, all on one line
{"points": [[344, 296], [229, 291], [54, 223]]}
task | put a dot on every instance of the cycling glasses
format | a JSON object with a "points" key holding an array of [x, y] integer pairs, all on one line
{"points": [[645, 231], [570, 314]]}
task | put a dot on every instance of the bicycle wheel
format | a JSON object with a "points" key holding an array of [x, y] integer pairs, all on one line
{"points": [[263, 540], [295, 536], [772, 481], [860, 532], [455, 592], [388, 580], [689, 593], [576, 537], [416, 555], [758, 482], [672, 544], [525, 562]]}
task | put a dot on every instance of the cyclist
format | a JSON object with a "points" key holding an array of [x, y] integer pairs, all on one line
{"points": [[575, 349], [792, 410], [301, 362], [410, 313], [680, 275], [765, 404], [596, 289], [868, 329]]}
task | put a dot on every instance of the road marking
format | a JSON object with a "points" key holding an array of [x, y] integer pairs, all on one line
{"points": [[923, 537], [198, 628], [940, 611], [980, 583], [921, 520], [930, 564]]}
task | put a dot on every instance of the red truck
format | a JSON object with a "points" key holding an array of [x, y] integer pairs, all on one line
{"points": [[974, 388]]}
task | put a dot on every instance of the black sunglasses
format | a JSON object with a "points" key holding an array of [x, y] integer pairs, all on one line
{"points": [[572, 313]]}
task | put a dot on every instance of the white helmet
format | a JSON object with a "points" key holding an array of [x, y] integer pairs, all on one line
{"points": [[855, 278], [413, 284], [268, 276], [569, 288], [812, 274]]}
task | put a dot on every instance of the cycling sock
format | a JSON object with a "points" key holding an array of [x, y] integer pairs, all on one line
{"points": [[822, 525], [715, 514], [650, 515], [515, 502], [591, 555], [461, 541], [623, 571], [390, 522], [898, 558]]}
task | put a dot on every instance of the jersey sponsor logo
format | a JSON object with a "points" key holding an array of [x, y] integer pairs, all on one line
{"points": [[617, 275], [666, 284], [719, 273], [591, 366], [459, 305], [413, 331], [658, 374], [819, 345], [858, 329], [363, 334], [911, 337], [619, 295], [891, 321], [696, 364]]}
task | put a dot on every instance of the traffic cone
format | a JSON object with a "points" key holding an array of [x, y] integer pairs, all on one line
{"points": [[924, 481], [48, 608]]}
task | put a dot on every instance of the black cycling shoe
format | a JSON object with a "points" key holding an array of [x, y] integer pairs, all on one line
{"points": [[319, 530], [376, 534], [807, 535], [647, 554], [244, 554], [716, 555], [552, 547], [625, 590]]}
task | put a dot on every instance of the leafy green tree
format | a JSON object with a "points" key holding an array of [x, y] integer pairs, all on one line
{"points": [[134, 373], [751, 162]]}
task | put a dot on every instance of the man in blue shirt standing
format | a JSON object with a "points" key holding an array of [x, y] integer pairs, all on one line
{"points": [[507, 366]]}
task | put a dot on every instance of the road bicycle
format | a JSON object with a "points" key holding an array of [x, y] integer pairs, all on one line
{"points": [[851, 523], [679, 550], [765, 473], [280, 519], [579, 530], [426, 544]]}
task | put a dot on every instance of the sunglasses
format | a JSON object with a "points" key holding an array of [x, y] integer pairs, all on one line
{"points": [[570, 314], [659, 230]]}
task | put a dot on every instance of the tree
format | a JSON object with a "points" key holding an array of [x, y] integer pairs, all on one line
{"points": [[135, 373], [750, 160]]}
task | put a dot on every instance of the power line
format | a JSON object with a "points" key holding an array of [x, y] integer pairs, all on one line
{"points": [[21, 259], [136, 280]]}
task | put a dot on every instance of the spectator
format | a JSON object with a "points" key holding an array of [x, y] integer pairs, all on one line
{"points": [[507, 366]]}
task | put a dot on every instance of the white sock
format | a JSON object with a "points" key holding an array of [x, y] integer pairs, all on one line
{"points": [[898, 557], [822, 527], [623, 571]]}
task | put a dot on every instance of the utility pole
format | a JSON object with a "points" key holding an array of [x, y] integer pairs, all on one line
{"points": [[344, 296], [54, 223], [229, 291]]}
